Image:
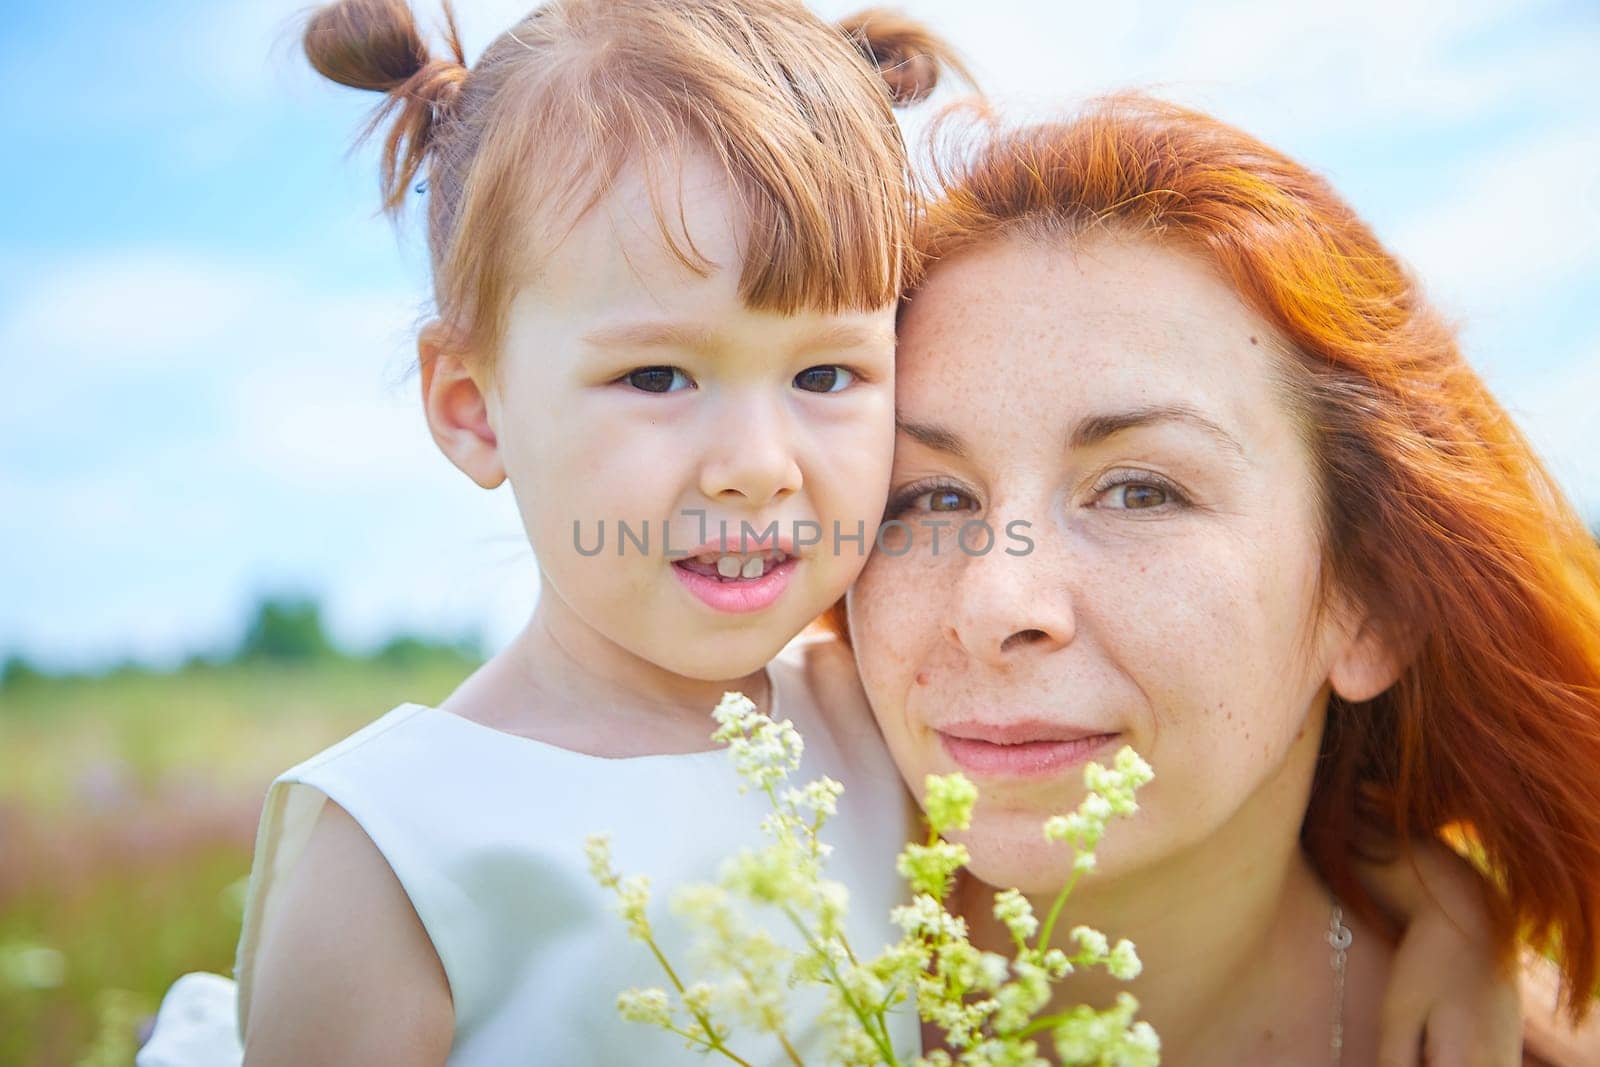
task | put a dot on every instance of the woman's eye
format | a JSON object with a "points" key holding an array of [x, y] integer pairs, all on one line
{"points": [[825, 379], [947, 500], [940, 498], [1137, 496], [658, 379]]}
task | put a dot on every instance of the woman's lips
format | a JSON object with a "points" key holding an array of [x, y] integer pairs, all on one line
{"points": [[1023, 751]]}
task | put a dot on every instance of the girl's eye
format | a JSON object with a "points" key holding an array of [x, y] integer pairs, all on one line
{"points": [[658, 379], [830, 378]]}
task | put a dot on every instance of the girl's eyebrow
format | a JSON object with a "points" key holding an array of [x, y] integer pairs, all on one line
{"points": [[851, 335], [1089, 430], [693, 336], [652, 335]]}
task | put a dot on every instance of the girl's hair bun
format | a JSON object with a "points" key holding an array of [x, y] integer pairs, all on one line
{"points": [[376, 45], [909, 56]]}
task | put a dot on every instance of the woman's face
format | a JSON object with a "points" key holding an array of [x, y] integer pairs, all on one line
{"points": [[1113, 403]]}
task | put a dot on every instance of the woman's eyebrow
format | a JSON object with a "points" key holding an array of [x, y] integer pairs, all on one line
{"points": [[935, 437], [1092, 429], [1089, 430]]}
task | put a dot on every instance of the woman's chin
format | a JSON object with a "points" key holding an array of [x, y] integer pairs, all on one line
{"points": [[1015, 857], [1027, 862], [1035, 881]]}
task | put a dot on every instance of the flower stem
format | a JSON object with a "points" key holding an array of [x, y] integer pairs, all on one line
{"points": [[794, 1057], [1041, 1024], [712, 1041], [711, 1046], [874, 1027], [1055, 910]]}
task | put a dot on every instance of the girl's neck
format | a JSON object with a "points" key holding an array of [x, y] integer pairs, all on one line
{"points": [[1237, 967], [564, 683]]}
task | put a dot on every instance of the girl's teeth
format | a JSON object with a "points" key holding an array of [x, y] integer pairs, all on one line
{"points": [[741, 567]]}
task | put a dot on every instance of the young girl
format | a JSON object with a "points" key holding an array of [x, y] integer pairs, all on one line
{"points": [[667, 237]]}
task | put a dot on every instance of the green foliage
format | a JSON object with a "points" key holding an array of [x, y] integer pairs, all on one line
{"points": [[991, 1010], [280, 630], [286, 629], [408, 650], [16, 671], [128, 810]]}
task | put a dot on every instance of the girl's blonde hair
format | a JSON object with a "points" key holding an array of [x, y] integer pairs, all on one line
{"points": [[518, 147]]}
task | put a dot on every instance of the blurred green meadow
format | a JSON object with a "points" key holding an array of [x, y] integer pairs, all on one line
{"points": [[128, 809]]}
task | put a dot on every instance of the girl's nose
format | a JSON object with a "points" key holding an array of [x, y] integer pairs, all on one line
{"points": [[751, 456]]}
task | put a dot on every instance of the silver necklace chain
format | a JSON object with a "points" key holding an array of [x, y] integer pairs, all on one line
{"points": [[1339, 938]]}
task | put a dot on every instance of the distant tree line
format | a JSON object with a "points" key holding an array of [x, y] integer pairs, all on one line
{"points": [[286, 630]]}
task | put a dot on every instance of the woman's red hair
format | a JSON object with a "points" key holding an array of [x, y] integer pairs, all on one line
{"points": [[1439, 518]]}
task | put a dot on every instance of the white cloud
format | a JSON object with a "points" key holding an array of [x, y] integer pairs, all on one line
{"points": [[249, 50], [194, 424], [1560, 411], [1344, 66], [1525, 216], [126, 309], [282, 445]]}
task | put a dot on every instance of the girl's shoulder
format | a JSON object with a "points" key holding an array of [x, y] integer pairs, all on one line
{"points": [[343, 967], [822, 666], [821, 692], [379, 734], [818, 682], [468, 844]]}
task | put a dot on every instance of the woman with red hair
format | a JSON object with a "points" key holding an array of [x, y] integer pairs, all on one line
{"points": [[1264, 524]]}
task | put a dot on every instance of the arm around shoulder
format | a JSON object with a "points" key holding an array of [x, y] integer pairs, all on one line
{"points": [[345, 972]]}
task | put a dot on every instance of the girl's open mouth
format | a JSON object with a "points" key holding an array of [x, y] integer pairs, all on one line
{"points": [[736, 582]]}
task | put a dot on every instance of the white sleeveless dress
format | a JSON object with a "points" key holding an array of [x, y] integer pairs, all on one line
{"points": [[485, 831]]}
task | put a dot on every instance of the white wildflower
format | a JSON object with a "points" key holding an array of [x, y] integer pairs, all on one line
{"points": [[948, 801], [930, 868], [1124, 962], [926, 917], [1092, 941], [820, 797], [633, 900], [645, 1006], [984, 1003], [735, 716], [1014, 910], [597, 847]]}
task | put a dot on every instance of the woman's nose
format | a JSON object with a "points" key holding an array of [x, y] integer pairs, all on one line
{"points": [[1008, 606], [750, 455]]}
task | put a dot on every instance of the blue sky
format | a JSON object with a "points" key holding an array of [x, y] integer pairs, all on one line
{"points": [[205, 325]]}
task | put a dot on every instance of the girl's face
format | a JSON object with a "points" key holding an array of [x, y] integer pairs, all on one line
{"points": [[636, 391], [1120, 401]]}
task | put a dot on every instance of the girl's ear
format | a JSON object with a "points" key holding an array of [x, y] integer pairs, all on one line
{"points": [[1368, 661], [458, 412]]}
